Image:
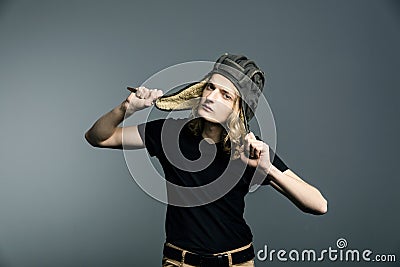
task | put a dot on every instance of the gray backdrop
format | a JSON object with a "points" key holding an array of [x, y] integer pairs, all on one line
{"points": [[333, 85]]}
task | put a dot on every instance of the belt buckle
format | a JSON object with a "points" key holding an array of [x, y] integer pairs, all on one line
{"points": [[214, 260], [223, 259]]}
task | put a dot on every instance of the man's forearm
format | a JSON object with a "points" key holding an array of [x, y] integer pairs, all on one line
{"points": [[106, 125], [301, 192]]}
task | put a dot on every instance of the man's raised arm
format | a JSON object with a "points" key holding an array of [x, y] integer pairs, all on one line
{"points": [[105, 131]]}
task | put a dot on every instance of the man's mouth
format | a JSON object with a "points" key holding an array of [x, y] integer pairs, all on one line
{"points": [[207, 108]]}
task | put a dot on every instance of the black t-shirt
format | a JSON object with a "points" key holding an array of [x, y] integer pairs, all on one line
{"points": [[210, 228]]}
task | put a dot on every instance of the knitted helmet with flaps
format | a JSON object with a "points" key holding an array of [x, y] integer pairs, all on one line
{"points": [[242, 72]]}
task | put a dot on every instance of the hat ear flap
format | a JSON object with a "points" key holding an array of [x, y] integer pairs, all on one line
{"points": [[183, 99]]}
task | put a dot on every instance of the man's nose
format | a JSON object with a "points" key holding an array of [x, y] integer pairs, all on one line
{"points": [[212, 96]]}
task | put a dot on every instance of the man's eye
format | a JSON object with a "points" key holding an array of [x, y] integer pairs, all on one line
{"points": [[227, 96]]}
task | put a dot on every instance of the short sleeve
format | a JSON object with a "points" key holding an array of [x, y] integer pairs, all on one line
{"points": [[150, 132], [277, 162]]}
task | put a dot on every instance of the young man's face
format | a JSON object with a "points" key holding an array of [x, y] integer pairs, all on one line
{"points": [[220, 99]]}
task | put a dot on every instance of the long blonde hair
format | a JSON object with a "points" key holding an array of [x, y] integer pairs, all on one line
{"points": [[232, 140]]}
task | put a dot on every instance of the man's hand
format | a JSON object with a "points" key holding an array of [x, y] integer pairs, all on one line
{"points": [[141, 99], [255, 153]]}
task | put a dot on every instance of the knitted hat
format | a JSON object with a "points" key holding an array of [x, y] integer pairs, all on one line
{"points": [[242, 72]]}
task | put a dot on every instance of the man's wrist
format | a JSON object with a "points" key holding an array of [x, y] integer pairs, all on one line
{"points": [[125, 110], [122, 107], [272, 171]]}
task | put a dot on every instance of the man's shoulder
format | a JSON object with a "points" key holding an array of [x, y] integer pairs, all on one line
{"points": [[169, 124], [167, 120]]}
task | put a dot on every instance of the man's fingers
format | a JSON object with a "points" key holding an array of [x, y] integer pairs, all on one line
{"points": [[257, 151], [256, 147], [254, 151], [139, 92], [145, 93], [156, 94], [153, 95], [142, 92]]}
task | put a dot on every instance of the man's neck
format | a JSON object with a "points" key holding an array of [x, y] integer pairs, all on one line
{"points": [[212, 131]]}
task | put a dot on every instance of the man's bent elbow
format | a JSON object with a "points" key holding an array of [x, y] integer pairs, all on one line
{"points": [[323, 208], [91, 140]]}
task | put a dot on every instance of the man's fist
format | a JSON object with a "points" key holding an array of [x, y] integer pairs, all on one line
{"points": [[142, 98], [255, 153]]}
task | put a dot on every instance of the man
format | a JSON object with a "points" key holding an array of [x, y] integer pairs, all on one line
{"points": [[214, 232]]}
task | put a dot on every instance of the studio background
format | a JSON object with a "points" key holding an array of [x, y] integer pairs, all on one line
{"points": [[332, 83]]}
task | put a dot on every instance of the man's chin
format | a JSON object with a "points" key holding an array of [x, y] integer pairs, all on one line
{"points": [[208, 118]]}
